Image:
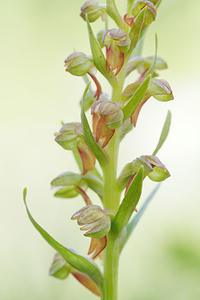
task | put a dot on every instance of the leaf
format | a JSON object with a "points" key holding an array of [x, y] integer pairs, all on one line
{"points": [[98, 56], [164, 133], [88, 136], [136, 99], [153, 65], [67, 179], [77, 261], [129, 203], [133, 223], [136, 29]]}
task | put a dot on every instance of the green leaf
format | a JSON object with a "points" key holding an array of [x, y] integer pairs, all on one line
{"points": [[136, 29], [77, 261], [133, 223], [129, 203], [89, 139], [67, 179], [98, 56], [153, 65], [136, 99], [164, 133]]}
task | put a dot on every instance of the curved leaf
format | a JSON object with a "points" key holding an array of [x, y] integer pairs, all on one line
{"points": [[98, 56], [136, 29], [88, 136], [152, 67], [77, 261], [129, 203], [164, 133], [136, 99]]}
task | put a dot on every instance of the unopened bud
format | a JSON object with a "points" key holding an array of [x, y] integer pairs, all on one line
{"points": [[160, 90], [95, 221], [70, 135], [160, 172], [117, 42], [79, 64], [110, 111], [59, 267], [150, 13], [93, 10]]}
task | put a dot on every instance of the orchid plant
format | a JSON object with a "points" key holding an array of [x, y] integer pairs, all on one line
{"points": [[116, 54]]}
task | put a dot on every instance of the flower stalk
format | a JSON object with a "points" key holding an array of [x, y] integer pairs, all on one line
{"points": [[116, 54]]}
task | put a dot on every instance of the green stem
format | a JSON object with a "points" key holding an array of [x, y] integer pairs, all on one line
{"points": [[112, 201]]}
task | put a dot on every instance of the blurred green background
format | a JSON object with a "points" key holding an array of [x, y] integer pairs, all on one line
{"points": [[162, 259]]}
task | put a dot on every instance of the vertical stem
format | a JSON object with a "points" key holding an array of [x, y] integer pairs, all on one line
{"points": [[112, 201]]}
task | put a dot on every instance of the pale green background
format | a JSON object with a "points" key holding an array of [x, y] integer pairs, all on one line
{"points": [[162, 259]]}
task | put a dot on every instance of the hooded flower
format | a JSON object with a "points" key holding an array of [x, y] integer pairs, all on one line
{"points": [[117, 43]]}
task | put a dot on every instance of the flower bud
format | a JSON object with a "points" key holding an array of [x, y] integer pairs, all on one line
{"points": [[107, 116], [93, 10], [160, 90], [70, 137], [95, 221], [59, 267], [79, 64], [160, 172], [150, 13], [117, 42]]}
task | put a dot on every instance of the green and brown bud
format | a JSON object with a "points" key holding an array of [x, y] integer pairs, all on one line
{"points": [[117, 43], [93, 220], [150, 12], [107, 116], [61, 270], [93, 10], [70, 137], [159, 171], [79, 64], [59, 267], [152, 167]]}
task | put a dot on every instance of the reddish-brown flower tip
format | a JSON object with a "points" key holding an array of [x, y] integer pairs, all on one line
{"points": [[87, 282], [117, 43], [97, 246], [129, 21]]}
